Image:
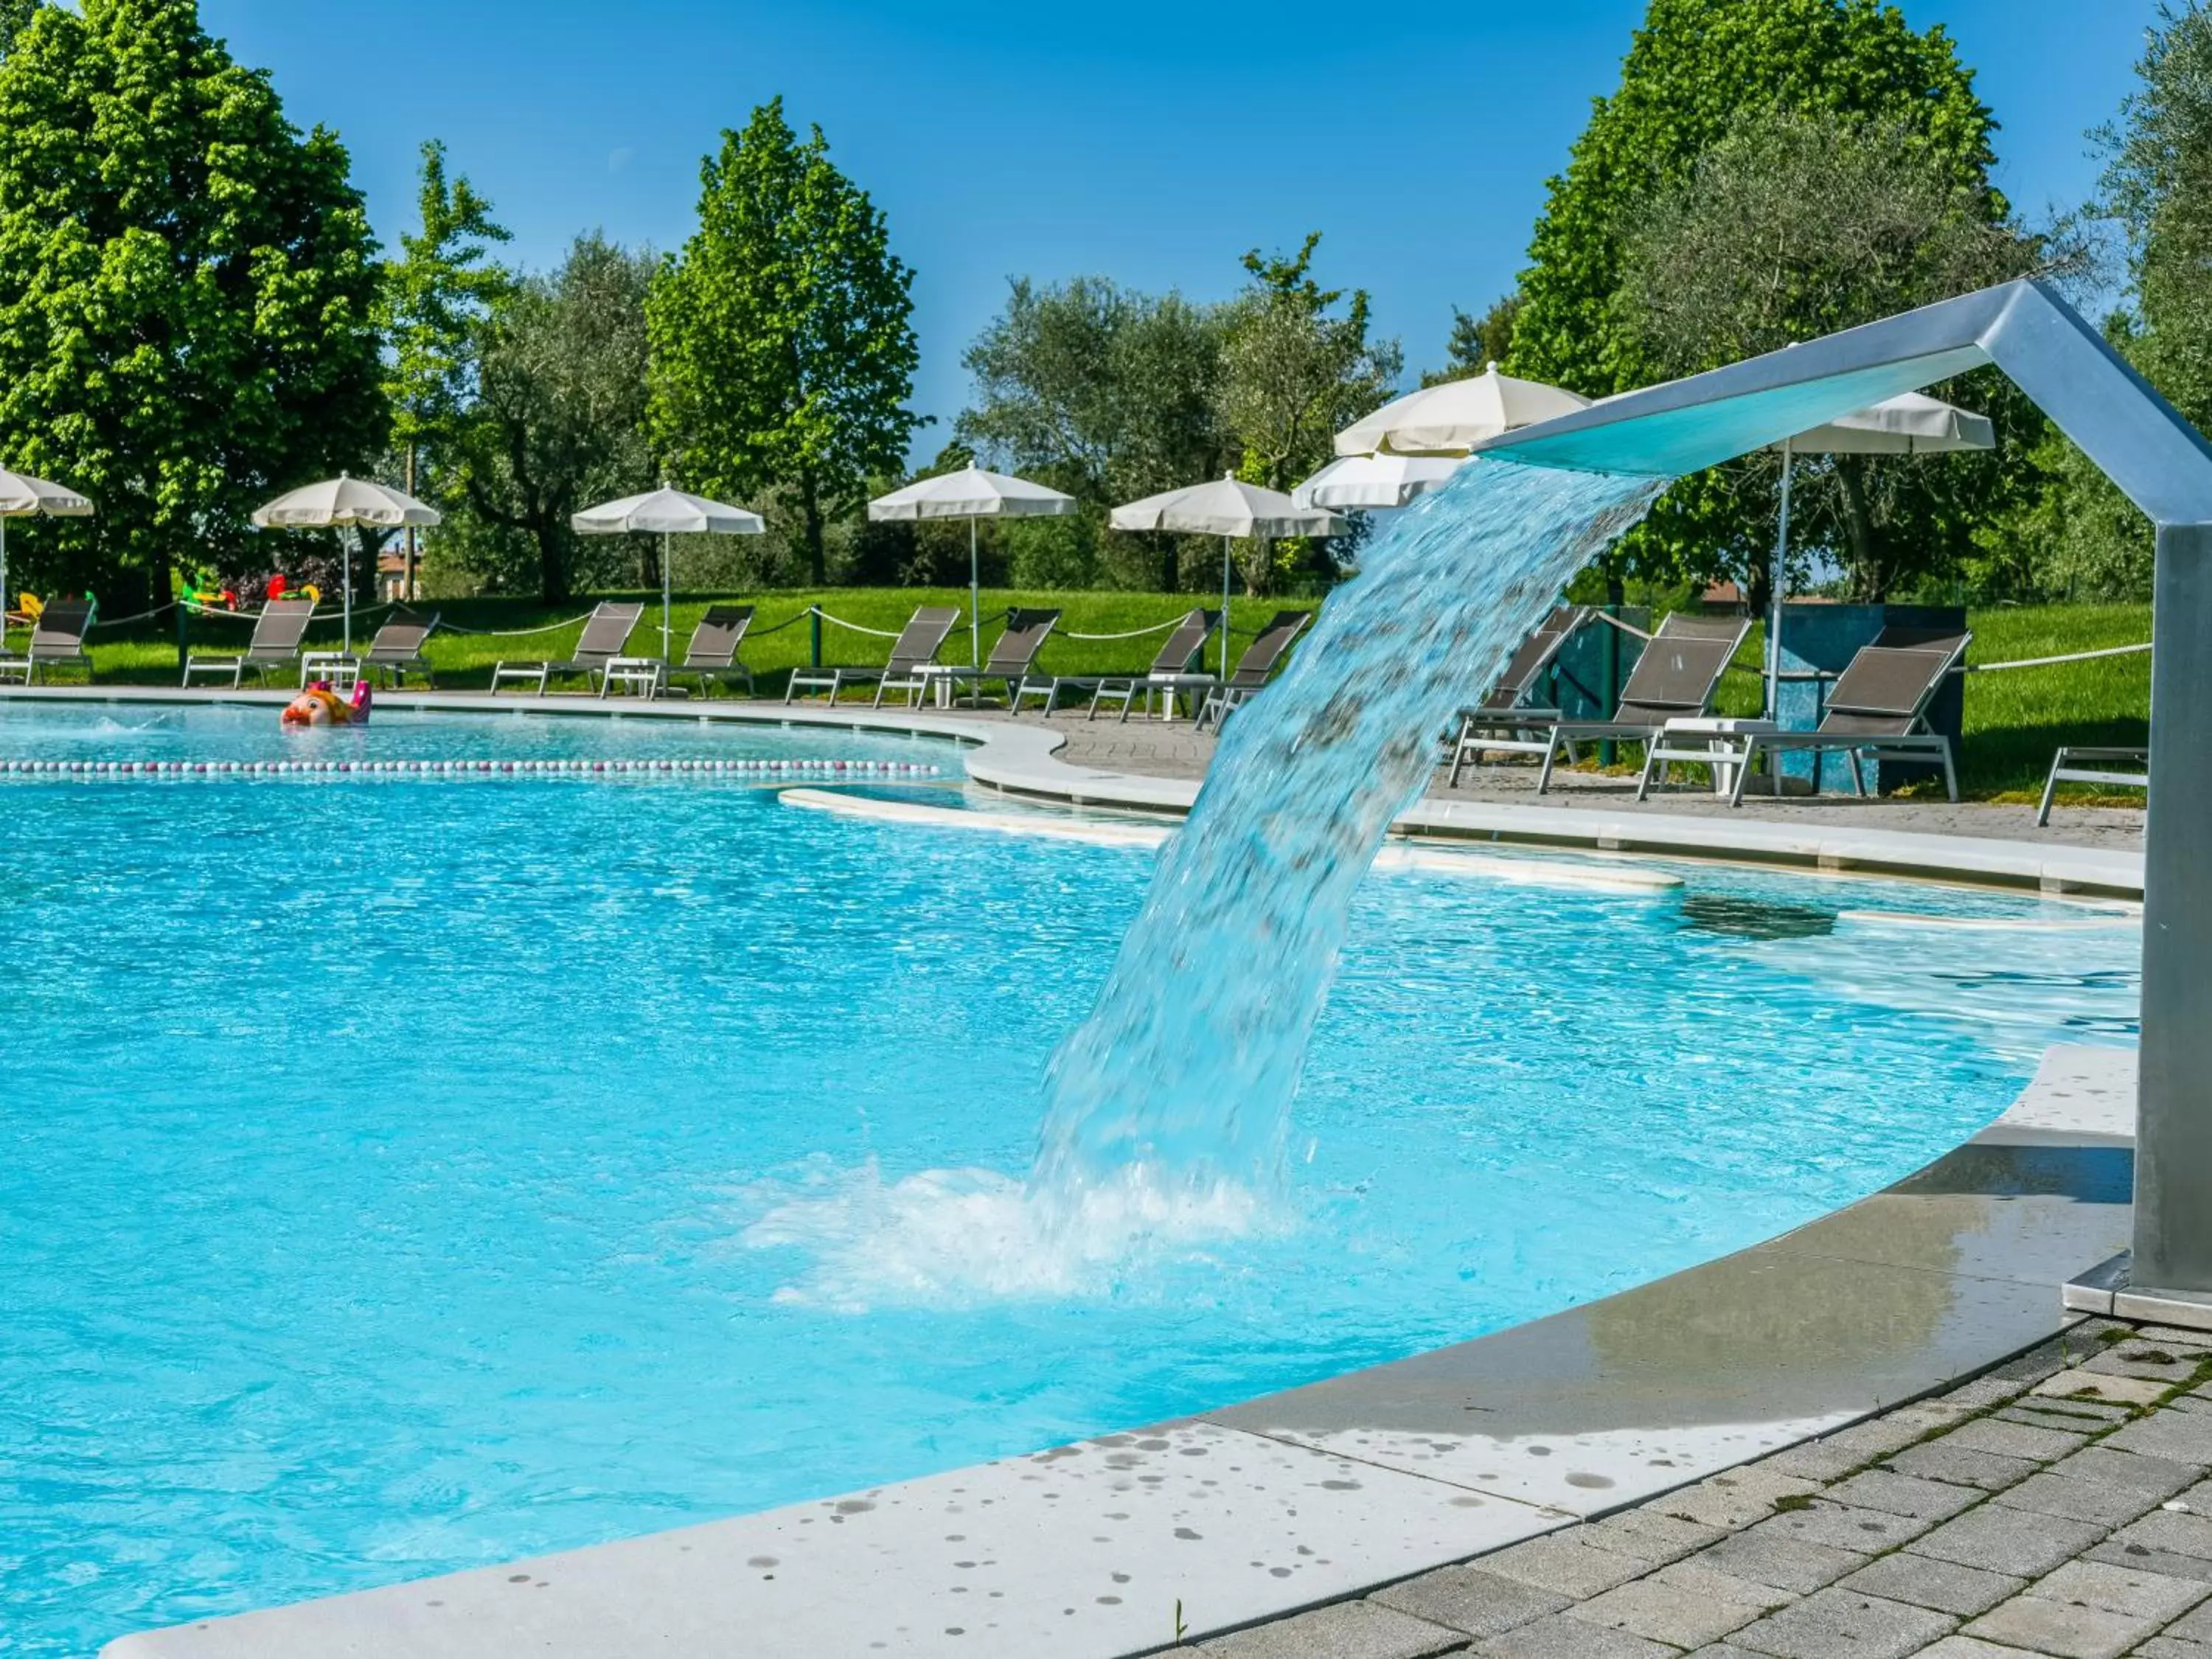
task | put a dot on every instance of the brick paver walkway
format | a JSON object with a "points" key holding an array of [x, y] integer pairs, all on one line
{"points": [[2060, 1505]]}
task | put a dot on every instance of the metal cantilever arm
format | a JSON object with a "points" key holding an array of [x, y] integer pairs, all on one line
{"points": [[2163, 465], [2157, 458]]}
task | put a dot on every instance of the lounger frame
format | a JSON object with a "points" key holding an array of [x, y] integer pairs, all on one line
{"points": [[1674, 679], [916, 646], [2097, 766], [605, 634], [1500, 723], [396, 650], [280, 633], [1878, 707], [57, 641], [1253, 669], [1013, 655], [711, 658], [1170, 673]]}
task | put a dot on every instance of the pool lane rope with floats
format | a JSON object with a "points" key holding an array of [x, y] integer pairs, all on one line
{"points": [[850, 771]]}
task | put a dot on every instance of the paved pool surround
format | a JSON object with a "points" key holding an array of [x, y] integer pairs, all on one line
{"points": [[1132, 1543]]}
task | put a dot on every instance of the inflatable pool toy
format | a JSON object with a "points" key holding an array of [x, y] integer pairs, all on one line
{"points": [[319, 705]]}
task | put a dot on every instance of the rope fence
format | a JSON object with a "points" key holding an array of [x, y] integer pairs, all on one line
{"points": [[193, 607], [511, 633]]}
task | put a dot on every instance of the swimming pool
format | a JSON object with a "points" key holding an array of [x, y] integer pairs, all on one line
{"points": [[409, 1176]]}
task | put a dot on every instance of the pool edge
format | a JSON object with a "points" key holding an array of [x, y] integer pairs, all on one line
{"points": [[1019, 759], [1225, 1516]]}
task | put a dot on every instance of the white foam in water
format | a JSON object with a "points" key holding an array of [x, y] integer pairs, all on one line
{"points": [[1182, 1078], [956, 1238]]}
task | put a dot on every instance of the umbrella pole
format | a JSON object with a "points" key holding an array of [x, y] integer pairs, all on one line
{"points": [[1775, 580], [665, 582], [1224, 610], [4, 581], [975, 600], [345, 580]]}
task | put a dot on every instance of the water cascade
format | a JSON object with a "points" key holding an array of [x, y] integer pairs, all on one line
{"points": [[1177, 1088]]}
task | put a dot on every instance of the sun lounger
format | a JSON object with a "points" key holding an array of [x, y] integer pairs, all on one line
{"points": [[2102, 767], [711, 655], [1878, 708], [278, 633], [1172, 671], [600, 643], [1254, 667], [1504, 721], [1012, 657], [914, 649], [1674, 679], [396, 650], [57, 641]]}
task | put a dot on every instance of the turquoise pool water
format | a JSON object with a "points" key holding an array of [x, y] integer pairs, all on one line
{"points": [[401, 1176]]}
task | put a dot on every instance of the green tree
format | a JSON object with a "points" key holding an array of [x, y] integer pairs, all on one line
{"points": [[1109, 394], [1795, 226], [434, 297], [2084, 539], [1292, 375], [14, 14], [1692, 70], [1476, 342], [558, 422], [783, 349], [187, 290]]}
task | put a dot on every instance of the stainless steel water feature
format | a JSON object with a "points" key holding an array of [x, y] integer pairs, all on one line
{"points": [[2163, 465]]}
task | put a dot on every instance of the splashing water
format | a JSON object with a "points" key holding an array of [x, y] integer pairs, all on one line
{"points": [[1179, 1084]]}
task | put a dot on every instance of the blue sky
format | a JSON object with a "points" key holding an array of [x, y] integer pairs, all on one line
{"points": [[1153, 142]]}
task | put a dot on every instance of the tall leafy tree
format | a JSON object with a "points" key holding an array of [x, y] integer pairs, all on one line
{"points": [[558, 420], [434, 297], [1295, 370], [187, 287], [1478, 341], [1696, 72], [783, 347], [1107, 393], [1792, 226], [2083, 538], [1692, 70]]}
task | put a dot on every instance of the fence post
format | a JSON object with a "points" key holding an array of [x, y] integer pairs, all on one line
{"points": [[1608, 687], [814, 632], [183, 637]]}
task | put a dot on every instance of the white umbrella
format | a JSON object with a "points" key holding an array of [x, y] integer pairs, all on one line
{"points": [[1375, 481], [666, 512], [346, 503], [21, 496], [971, 494], [1232, 509], [1912, 424], [1451, 418]]}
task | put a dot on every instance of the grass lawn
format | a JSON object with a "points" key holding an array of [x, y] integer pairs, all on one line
{"points": [[2014, 719], [780, 641]]}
